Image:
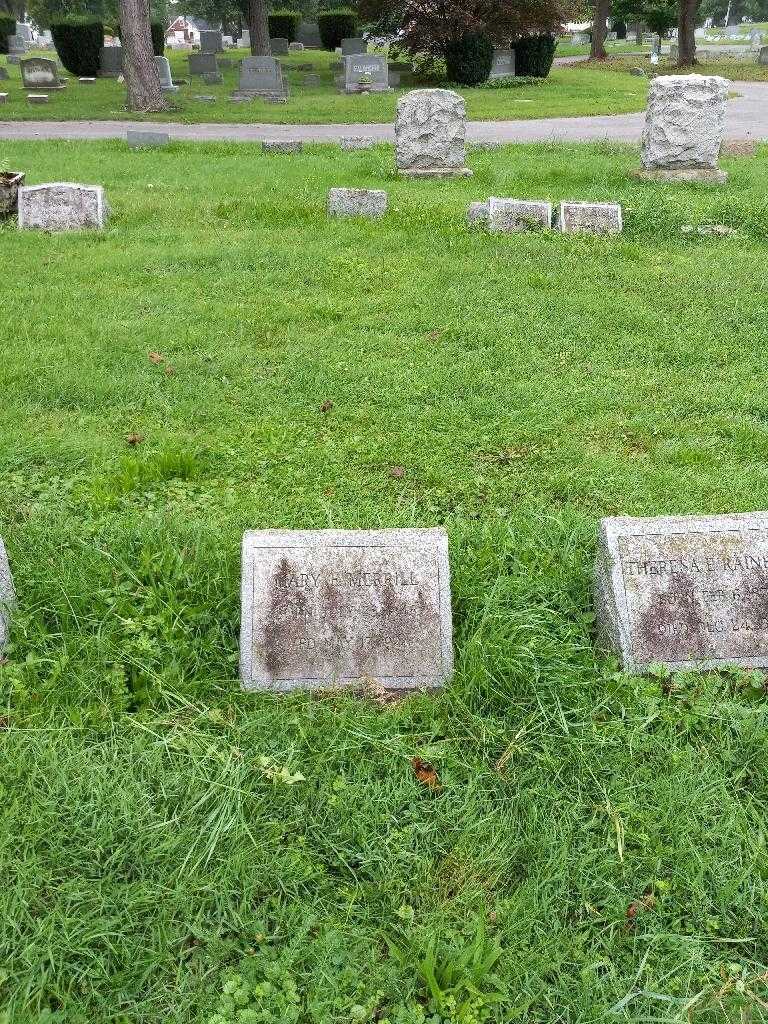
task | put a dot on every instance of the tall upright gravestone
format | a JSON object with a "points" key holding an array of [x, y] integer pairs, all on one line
{"points": [[684, 127], [327, 608], [430, 134], [685, 591]]}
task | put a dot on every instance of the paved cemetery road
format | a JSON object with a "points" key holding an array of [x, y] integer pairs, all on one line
{"points": [[747, 118]]}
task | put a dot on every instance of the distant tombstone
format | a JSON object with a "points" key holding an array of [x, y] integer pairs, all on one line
{"points": [[278, 46], [311, 81], [138, 139], [244, 42], [6, 596], [213, 78], [334, 608], [39, 73], [756, 38], [291, 146], [684, 126], [17, 45], [611, 37], [673, 51], [37, 97], [684, 591], [62, 206], [590, 218], [164, 70], [111, 61], [510, 216], [202, 63], [211, 41], [503, 65], [309, 34], [263, 77], [357, 202], [430, 134], [351, 47], [295, 47], [366, 73], [762, 57]]}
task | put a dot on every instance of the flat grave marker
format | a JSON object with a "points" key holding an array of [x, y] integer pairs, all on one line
{"points": [[327, 608]]}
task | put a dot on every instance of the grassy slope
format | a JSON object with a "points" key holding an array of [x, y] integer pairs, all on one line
{"points": [[527, 386], [567, 92]]}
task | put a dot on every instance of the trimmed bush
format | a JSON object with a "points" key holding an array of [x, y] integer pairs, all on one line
{"points": [[78, 41], [510, 82], [7, 28], [468, 59], [158, 38], [534, 56], [341, 23], [284, 25], [620, 28]]}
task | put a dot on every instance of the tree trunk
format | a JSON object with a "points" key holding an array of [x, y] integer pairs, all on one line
{"points": [[258, 26], [142, 78], [599, 29], [686, 37]]}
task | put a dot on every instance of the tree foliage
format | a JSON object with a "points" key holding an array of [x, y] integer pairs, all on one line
{"points": [[426, 26]]}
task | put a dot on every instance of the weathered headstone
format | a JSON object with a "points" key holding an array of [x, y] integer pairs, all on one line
{"points": [[353, 46], [477, 214], [673, 52], [7, 596], [203, 63], [62, 206], [430, 134], [17, 46], [503, 65], [684, 126], [590, 218], [164, 70], [213, 78], [37, 97], [762, 56], [685, 591], [111, 61], [350, 142], [211, 41], [357, 202], [507, 216], [39, 73], [327, 608], [295, 47], [138, 139], [244, 42], [278, 46], [263, 77], [366, 73], [311, 81], [282, 146]]}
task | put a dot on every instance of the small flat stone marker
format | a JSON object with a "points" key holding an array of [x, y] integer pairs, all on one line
{"points": [[357, 202], [37, 98], [138, 139], [590, 218], [282, 146], [514, 215], [86, 81], [62, 206], [7, 595], [685, 591], [477, 215], [327, 608], [3, 97]]}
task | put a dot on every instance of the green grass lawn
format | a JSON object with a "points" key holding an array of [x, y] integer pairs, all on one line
{"points": [[567, 92], [736, 69], [599, 840]]}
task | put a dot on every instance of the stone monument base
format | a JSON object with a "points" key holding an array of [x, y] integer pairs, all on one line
{"points": [[436, 172], [706, 175]]}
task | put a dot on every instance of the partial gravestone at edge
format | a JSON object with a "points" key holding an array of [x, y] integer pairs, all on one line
{"points": [[430, 134], [333, 608], [684, 129], [62, 206], [686, 592], [7, 596]]}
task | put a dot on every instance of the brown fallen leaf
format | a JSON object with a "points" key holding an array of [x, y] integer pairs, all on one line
{"points": [[326, 406], [133, 439], [169, 371], [156, 358], [397, 472], [426, 774], [435, 335]]}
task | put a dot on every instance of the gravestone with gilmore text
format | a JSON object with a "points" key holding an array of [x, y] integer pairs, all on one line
{"points": [[685, 591], [327, 608]]}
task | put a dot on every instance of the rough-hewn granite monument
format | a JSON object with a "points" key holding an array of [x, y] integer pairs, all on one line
{"points": [[685, 591], [430, 134], [327, 608], [684, 126]]}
